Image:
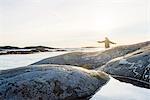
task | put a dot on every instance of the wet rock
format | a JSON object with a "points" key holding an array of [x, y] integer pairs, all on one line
{"points": [[50, 82], [93, 59], [133, 68]]}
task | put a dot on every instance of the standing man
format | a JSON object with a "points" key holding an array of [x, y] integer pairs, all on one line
{"points": [[107, 42]]}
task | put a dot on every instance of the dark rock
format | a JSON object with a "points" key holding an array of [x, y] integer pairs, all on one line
{"points": [[61, 50], [50, 82], [93, 59], [4, 50], [38, 47], [133, 68], [9, 47], [40, 50]]}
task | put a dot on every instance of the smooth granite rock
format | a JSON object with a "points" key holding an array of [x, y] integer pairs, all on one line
{"points": [[50, 82], [93, 60], [133, 68]]}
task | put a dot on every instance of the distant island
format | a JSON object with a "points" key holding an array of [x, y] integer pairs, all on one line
{"points": [[27, 50], [5, 50]]}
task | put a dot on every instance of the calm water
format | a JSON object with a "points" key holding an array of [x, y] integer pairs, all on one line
{"points": [[113, 90], [13, 61]]}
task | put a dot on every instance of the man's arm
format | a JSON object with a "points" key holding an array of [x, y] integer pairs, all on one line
{"points": [[112, 42], [100, 41]]}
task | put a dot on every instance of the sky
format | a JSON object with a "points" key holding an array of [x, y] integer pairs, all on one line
{"points": [[73, 23]]}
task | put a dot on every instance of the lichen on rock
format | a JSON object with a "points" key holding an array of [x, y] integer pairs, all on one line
{"points": [[50, 82], [134, 66]]}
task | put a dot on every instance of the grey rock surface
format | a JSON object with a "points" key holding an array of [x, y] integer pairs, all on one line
{"points": [[50, 82], [93, 59], [133, 68]]}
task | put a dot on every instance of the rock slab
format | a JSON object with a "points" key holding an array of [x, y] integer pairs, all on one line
{"points": [[133, 68], [92, 60], [50, 82]]}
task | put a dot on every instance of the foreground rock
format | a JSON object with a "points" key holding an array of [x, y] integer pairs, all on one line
{"points": [[133, 68], [94, 59], [50, 82]]}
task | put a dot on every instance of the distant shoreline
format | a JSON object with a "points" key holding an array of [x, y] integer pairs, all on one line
{"points": [[7, 50]]}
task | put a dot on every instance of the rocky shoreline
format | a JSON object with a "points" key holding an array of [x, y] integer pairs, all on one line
{"points": [[134, 67], [77, 75], [8, 50], [132, 61]]}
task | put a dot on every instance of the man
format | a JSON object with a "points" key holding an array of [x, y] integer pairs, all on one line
{"points": [[107, 42]]}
